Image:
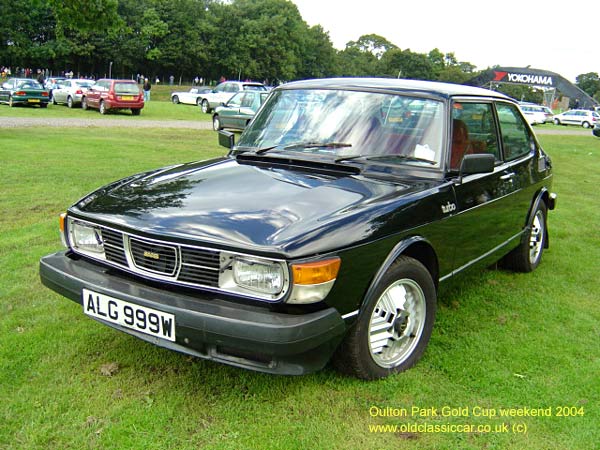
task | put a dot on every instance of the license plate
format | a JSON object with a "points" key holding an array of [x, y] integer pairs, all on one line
{"points": [[127, 97], [129, 315], [33, 100]]}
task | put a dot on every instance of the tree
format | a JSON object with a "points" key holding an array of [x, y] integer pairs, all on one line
{"points": [[589, 83], [407, 64]]}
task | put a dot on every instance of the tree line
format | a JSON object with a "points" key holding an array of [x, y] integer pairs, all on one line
{"points": [[264, 40]]}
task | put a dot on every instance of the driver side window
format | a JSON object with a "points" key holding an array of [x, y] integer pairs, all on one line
{"points": [[473, 132]]}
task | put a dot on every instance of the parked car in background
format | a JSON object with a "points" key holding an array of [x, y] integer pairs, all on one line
{"points": [[536, 114], [239, 110], [224, 91], [24, 91], [596, 130], [108, 94], [325, 232], [70, 92], [191, 97], [580, 117]]}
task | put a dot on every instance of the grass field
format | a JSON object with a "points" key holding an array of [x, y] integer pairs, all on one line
{"points": [[501, 340]]}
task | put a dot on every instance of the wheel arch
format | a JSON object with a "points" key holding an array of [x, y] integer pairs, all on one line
{"points": [[541, 196], [416, 247]]}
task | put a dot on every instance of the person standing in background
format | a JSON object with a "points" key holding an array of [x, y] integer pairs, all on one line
{"points": [[147, 88]]}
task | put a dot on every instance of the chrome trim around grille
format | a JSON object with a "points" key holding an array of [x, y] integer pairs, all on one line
{"points": [[193, 266]]}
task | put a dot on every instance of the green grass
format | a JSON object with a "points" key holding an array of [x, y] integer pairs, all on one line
{"points": [[501, 339]]}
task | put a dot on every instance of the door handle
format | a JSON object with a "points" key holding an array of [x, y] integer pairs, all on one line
{"points": [[508, 176]]}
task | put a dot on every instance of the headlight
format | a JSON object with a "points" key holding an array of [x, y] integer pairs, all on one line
{"points": [[86, 238], [257, 275]]}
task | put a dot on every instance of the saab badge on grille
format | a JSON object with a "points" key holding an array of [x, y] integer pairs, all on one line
{"points": [[152, 255]]}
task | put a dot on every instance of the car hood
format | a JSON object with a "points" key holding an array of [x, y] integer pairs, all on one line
{"points": [[270, 210]]}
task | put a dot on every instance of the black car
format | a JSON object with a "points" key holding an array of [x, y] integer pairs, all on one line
{"points": [[325, 232]]}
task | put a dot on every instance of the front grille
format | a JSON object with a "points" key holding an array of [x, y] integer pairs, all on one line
{"points": [[153, 257], [113, 246], [187, 265], [199, 266]]}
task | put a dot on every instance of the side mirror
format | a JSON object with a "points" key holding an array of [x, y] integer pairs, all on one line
{"points": [[226, 139], [477, 163]]}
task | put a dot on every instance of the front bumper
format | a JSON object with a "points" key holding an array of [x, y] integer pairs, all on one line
{"points": [[246, 336]]}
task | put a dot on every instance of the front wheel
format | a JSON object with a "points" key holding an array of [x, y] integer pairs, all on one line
{"points": [[217, 123], [175, 100], [205, 106], [394, 325]]}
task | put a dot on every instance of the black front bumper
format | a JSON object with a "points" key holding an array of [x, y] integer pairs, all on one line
{"points": [[246, 336]]}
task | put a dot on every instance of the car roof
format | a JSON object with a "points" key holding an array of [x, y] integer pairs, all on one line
{"points": [[435, 88]]}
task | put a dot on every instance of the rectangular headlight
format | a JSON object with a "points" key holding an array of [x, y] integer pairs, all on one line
{"points": [[86, 238], [258, 275]]}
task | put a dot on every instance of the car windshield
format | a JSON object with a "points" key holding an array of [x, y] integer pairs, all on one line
{"points": [[126, 88], [349, 125]]}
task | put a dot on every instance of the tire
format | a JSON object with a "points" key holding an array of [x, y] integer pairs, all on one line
{"points": [[70, 101], [394, 325], [556, 122], [175, 100], [43, 105], [216, 123], [102, 108], [586, 125], [84, 103], [528, 255], [198, 102], [205, 106], [10, 102], [136, 111]]}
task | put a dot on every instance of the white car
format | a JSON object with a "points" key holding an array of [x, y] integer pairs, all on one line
{"points": [[224, 91], [191, 97], [535, 114], [70, 92], [581, 117]]}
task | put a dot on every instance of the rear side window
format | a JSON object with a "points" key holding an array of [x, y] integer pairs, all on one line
{"points": [[516, 137]]}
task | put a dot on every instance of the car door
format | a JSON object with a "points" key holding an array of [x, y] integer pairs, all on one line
{"points": [[94, 93], [485, 219], [60, 92], [248, 107], [230, 114]]}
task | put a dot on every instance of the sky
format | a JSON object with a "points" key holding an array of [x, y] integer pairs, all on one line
{"points": [[514, 33]]}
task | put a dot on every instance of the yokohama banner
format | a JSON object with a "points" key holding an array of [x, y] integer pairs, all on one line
{"points": [[534, 78]]}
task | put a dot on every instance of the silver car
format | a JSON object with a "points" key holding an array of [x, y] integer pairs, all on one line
{"points": [[70, 92], [580, 117]]}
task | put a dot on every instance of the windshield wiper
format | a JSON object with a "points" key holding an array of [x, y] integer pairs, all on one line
{"points": [[391, 157], [260, 151], [317, 145]]}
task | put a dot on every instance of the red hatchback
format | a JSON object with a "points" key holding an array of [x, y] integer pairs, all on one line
{"points": [[109, 94]]}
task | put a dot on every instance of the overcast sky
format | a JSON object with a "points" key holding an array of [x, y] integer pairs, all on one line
{"points": [[515, 33]]}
